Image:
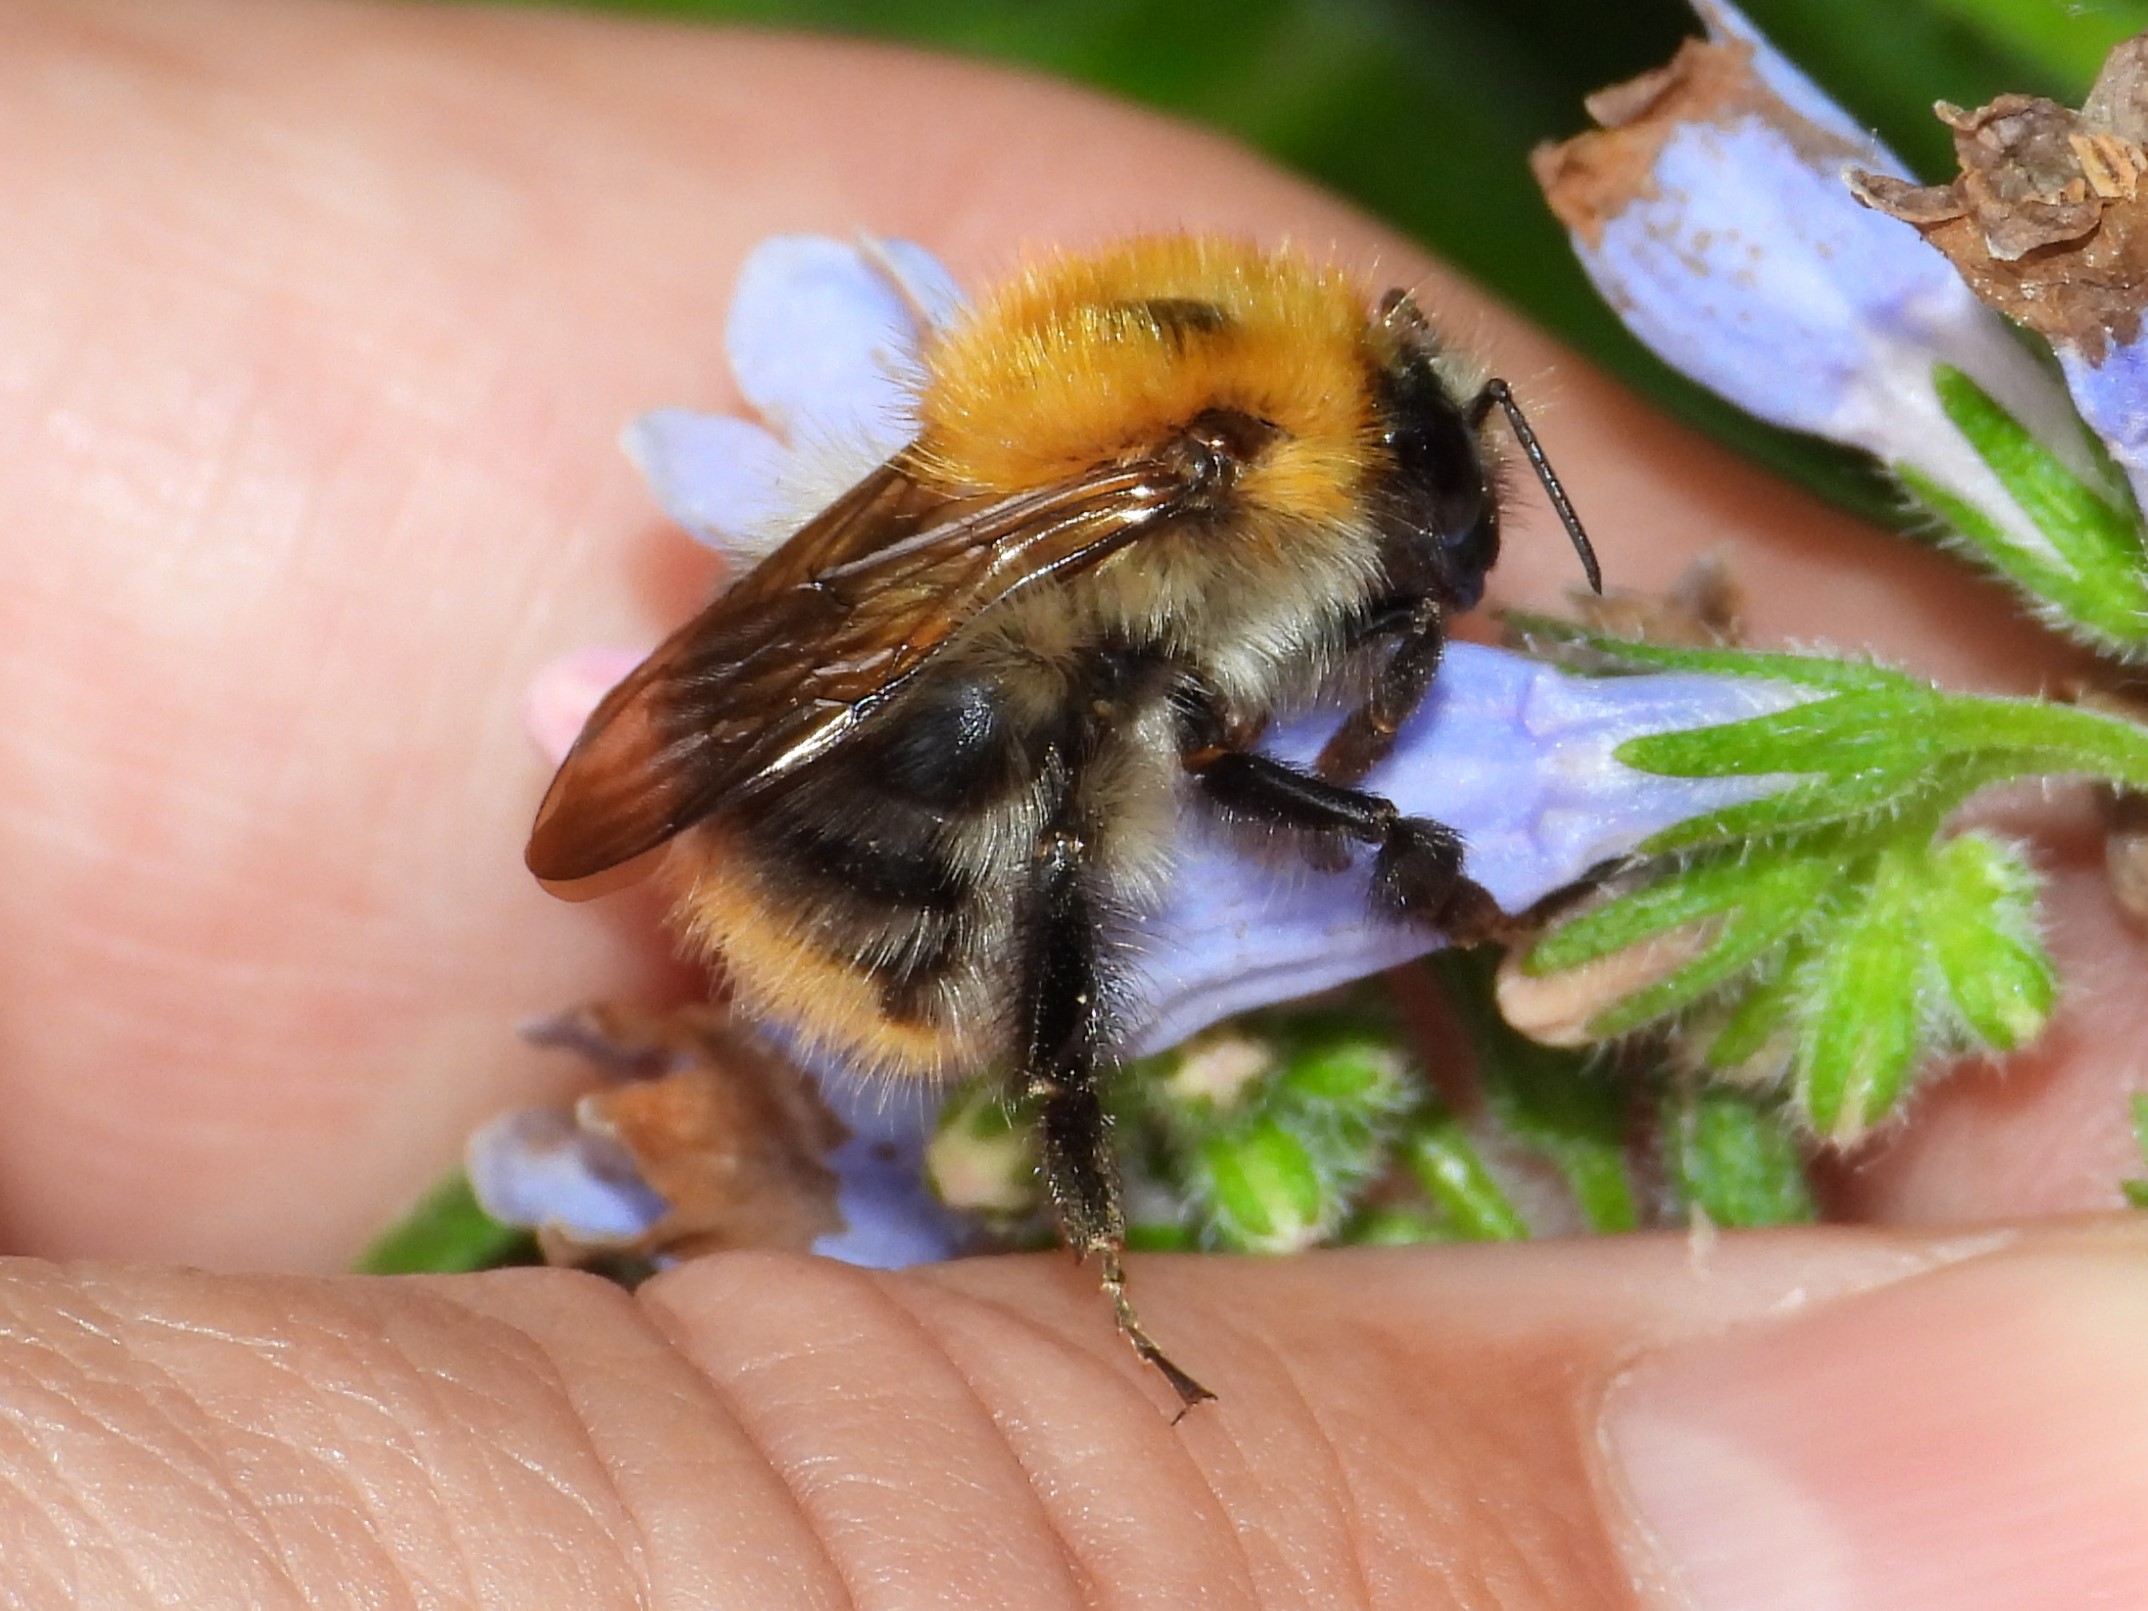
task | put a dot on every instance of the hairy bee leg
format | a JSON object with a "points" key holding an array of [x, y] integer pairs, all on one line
{"points": [[1368, 733], [1418, 874], [1062, 988], [1417, 863]]}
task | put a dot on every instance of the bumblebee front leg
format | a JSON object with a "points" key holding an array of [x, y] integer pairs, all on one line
{"points": [[1062, 1065], [1368, 733]]}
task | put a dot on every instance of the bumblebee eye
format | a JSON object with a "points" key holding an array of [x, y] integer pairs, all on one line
{"points": [[1438, 496], [1471, 550]]}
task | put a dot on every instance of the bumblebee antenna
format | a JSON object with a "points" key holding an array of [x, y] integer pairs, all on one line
{"points": [[1497, 391]]}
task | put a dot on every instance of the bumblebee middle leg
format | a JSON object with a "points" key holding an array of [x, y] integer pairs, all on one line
{"points": [[1062, 1063], [1417, 863]]}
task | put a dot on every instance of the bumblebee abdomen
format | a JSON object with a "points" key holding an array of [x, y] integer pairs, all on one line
{"points": [[866, 901], [874, 952], [876, 904]]}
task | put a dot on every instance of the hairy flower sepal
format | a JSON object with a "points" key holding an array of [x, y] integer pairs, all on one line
{"points": [[1829, 933], [2092, 581], [1867, 741], [1839, 961]]}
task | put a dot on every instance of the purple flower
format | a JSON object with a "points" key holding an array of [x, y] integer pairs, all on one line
{"points": [[1712, 212], [540, 1169]]}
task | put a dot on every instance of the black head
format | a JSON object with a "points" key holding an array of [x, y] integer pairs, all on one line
{"points": [[1440, 498]]}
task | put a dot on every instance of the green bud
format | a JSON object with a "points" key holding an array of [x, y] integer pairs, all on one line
{"points": [[1732, 1159], [1394, 1225], [1263, 1190], [1980, 915], [1352, 1074], [1344, 1098], [1858, 1006]]}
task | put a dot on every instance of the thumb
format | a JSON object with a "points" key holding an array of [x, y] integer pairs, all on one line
{"points": [[1975, 1438]]}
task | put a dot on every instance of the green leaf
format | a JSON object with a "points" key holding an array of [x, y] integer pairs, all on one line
{"points": [[1760, 1016], [2090, 529], [1850, 733], [1548, 635], [1741, 909], [447, 1233], [1876, 751], [1687, 893]]}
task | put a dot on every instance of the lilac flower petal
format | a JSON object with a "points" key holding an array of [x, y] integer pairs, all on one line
{"points": [[1726, 23], [823, 338], [2113, 397], [719, 477], [1765, 280], [535, 1167], [921, 278], [1516, 755], [823, 341], [891, 1218]]}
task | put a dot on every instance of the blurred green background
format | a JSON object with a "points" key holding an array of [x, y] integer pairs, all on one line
{"points": [[1425, 112]]}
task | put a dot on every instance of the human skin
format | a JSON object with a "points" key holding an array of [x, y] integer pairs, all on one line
{"points": [[316, 325]]}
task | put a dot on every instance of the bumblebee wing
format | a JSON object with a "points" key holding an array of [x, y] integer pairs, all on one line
{"points": [[814, 641]]}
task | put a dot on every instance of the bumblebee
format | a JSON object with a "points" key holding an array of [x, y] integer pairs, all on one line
{"points": [[918, 772]]}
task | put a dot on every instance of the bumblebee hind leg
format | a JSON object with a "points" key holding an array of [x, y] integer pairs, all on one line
{"points": [[1062, 989]]}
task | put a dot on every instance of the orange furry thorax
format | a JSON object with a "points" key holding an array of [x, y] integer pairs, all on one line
{"points": [[1079, 359]]}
